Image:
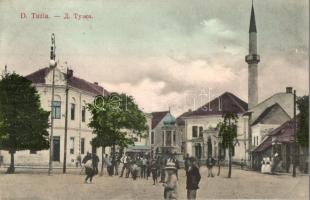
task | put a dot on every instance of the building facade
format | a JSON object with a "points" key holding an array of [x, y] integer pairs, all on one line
{"points": [[164, 135], [79, 135], [141, 143], [265, 117], [201, 133]]}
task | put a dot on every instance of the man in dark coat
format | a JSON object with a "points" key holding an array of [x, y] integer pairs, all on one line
{"points": [[95, 163], [186, 163], [192, 180]]}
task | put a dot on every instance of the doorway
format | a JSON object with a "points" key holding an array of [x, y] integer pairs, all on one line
{"points": [[198, 151], [56, 148]]}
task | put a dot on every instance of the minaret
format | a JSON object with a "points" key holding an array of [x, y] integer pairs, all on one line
{"points": [[252, 59]]}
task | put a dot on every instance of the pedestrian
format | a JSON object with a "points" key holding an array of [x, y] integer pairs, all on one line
{"points": [[144, 167], [134, 169], [124, 161], [210, 164], [108, 163], [89, 169], [95, 160], [115, 163], [148, 167], [171, 185], [192, 180], [154, 169], [163, 162], [242, 163], [186, 163], [78, 161], [158, 161], [172, 158], [85, 159]]}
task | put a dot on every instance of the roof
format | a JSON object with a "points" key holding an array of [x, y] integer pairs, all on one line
{"points": [[39, 77], [227, 102], [266, 112], [180, 120], [252, 21], [157, 117], [283, 134], [284, 99]]}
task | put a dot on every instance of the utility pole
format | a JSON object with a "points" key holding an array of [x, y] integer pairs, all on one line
{"points": [[68, 76], [295, 137], [52, 65]]}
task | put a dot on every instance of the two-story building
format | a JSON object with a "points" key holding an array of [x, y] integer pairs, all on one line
{"points": [[79, 135], [200, 127]]}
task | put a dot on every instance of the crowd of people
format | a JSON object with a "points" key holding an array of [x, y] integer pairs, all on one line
{"points": [[162, 166]]}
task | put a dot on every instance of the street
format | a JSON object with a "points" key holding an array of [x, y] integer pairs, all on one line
{"points": [[242, 185]]}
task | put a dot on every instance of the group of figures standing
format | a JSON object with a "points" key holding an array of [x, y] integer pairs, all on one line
{"points": [[163, 167]]}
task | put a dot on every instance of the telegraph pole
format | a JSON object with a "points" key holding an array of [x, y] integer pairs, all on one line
{"points": [[68, 75], [52, 65], [295, 137]]}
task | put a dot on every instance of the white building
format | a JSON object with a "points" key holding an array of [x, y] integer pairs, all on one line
{"points": [[267, 116], [201, 136], [81, 93]]}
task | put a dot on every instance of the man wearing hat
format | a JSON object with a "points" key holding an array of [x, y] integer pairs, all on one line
{"points": [[171, 184]]}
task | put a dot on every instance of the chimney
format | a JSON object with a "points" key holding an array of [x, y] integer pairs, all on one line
{"points": [[289, 90], [96, 83]]}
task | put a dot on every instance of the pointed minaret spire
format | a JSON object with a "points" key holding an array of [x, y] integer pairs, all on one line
{"points": [[252, 59], [252, 21]]}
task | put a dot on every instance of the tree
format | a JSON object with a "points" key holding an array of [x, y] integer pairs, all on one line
{"points": [[303, 121], [111, 116], [23, 122], [228, 135]]}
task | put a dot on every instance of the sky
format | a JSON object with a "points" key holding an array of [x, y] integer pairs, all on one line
{"points": [[175, 54]]}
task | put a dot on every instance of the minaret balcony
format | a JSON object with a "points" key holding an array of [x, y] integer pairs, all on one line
{"points": [[252, 58]]}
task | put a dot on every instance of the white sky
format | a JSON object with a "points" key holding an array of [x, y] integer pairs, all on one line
{"points": [[164, 53]]}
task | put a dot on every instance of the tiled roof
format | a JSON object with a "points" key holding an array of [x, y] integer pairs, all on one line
{"points": [[157, 117], [180, 119], [226, 102], [39, 77], [283, 134], [266, 112]]}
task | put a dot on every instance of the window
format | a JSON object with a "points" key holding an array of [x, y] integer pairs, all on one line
{"points": [[200, 131], [152, 137], [72, 111], [33, 152], [83, 113], [72, 145], [163, 137], [174, 138], [56, 109], [254, 141], [194, 131], [257, 140], [168, 138], [82, 145]]}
